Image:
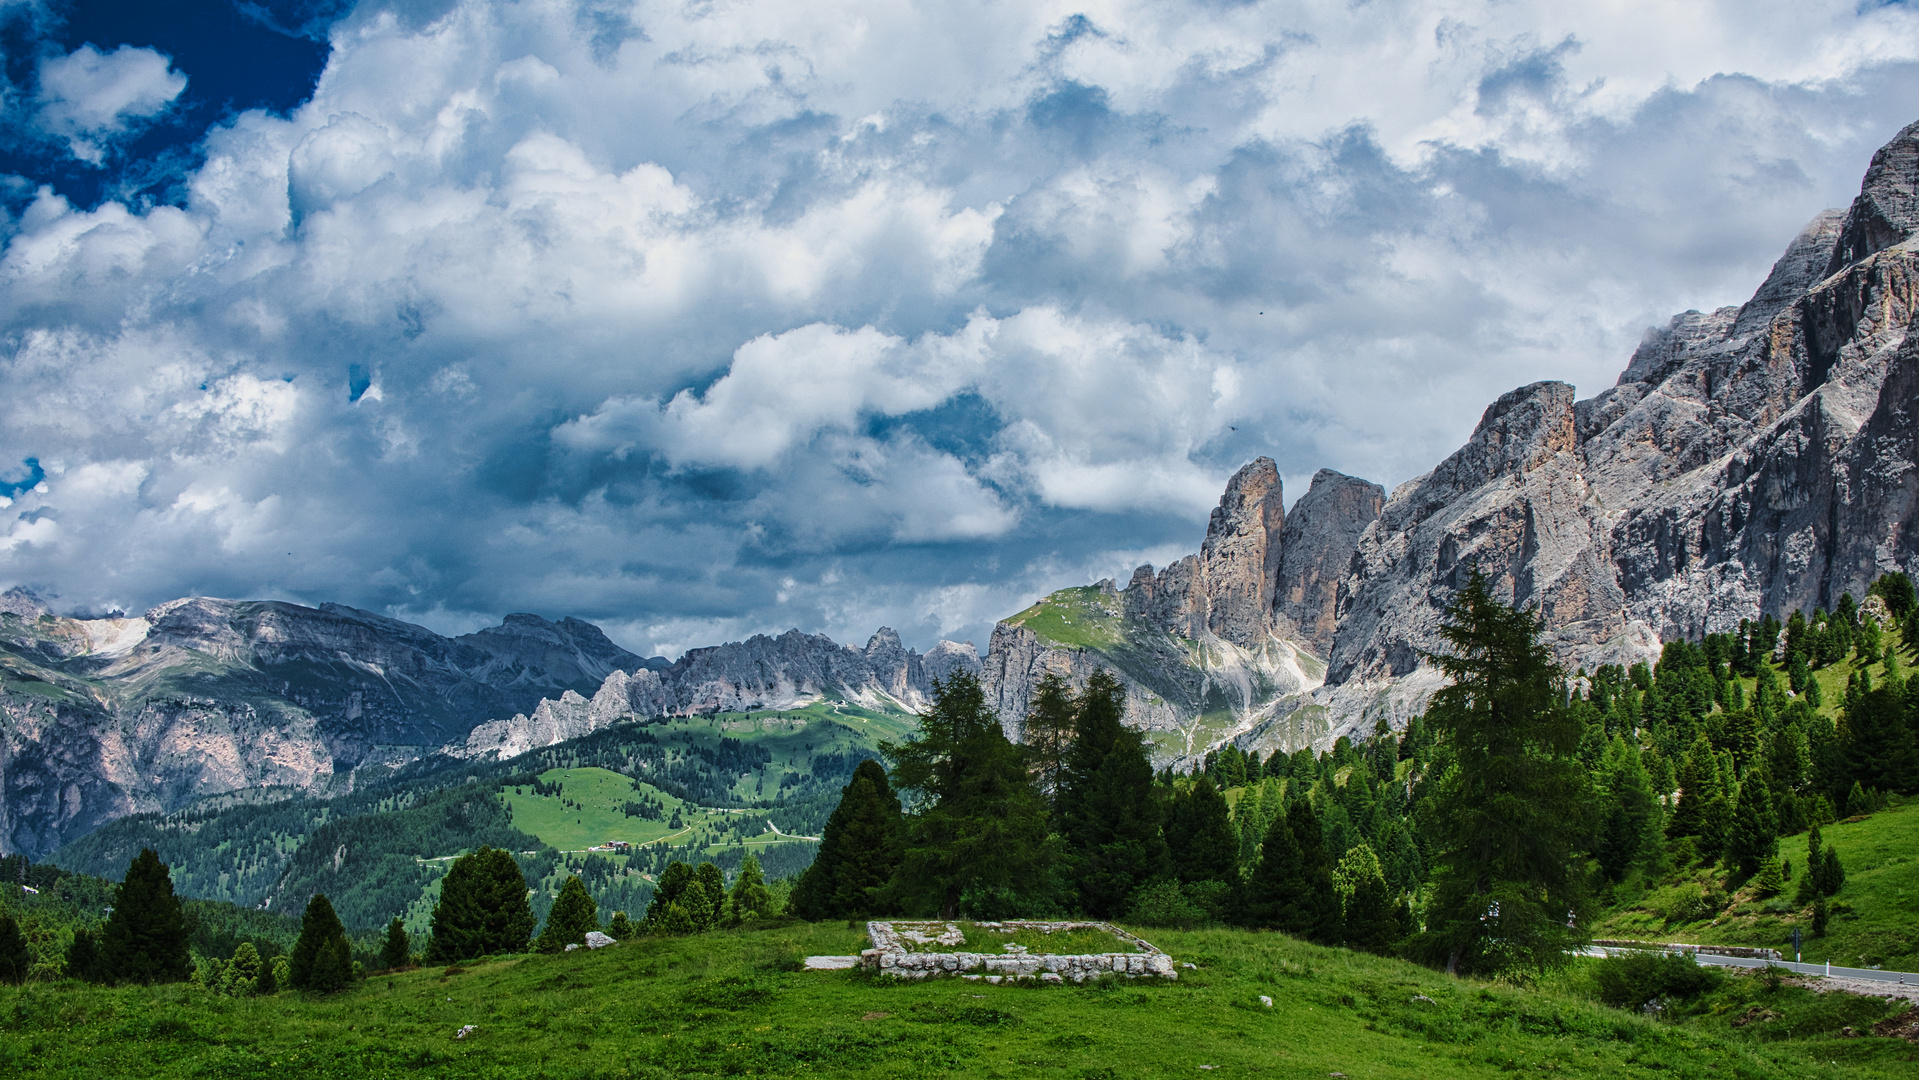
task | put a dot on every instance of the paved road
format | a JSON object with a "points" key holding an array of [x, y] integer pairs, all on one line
{"points": [[1905, 978]]}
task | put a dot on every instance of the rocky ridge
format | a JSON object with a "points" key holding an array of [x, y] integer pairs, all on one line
{"points": [[1753, 460], [100, 718]]}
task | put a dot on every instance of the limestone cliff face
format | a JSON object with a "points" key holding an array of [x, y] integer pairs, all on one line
{"points": [[784, 672], [1753, 460], [1316, 549]]}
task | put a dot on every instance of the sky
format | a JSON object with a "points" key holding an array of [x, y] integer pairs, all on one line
{"points": [[706, 318]]}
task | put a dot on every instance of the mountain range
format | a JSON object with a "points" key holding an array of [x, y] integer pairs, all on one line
{"points": [[1752, 460]]}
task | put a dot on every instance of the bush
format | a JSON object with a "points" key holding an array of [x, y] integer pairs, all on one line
{"points": [[1637, 979], [1161, 903]]}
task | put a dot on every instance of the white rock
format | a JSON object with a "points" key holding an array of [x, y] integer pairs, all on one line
{"points": [[597, 940]]}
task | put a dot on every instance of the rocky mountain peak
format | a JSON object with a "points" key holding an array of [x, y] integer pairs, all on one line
{"points": [[1241, 553], [23, 602], [1316, 548], [1886, 212]]}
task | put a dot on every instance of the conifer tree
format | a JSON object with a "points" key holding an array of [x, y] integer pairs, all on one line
{"points": [[15, 957], [1200, 835], [243, 971], [705, 899], [1630, 820], [1110, 817], [984, 824], [1366, 904], [1317, 901], [269, 979], [1754, 836], [574, 913], [749, 899], [83, 957], [1049, 731], [313, 964], [621, 928], [1274, 887], [395, 949], [673, 883], [483, 908], [858, 853], [145, 939], [1510, 807]]}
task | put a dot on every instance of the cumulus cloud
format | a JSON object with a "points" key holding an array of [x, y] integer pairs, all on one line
{"points": [[88, 97], [701, 321]]}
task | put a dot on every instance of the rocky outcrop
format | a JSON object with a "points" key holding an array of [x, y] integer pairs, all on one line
{"points": [[1316, 549], [789, 671], [1754, 460]]}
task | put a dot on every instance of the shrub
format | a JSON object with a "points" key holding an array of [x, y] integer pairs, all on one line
{"points": [[1636, 979], [1160, 902]]}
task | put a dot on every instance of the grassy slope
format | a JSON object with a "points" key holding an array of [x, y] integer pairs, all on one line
{"points": [[1875, 917], [725, 1004]]}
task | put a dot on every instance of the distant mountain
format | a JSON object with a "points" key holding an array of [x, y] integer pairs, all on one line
{"points": [[100, 718], [1755, 460]]}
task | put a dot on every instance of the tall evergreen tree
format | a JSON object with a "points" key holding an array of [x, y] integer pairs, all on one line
{"points": [[1630, 822], [574, 913], [1110, 815], [83, 957], [667, 914], [1317, 915], [705, 899], [1754, 835], [483, 908], [1200, 835], [145, 939], [1273, 890], [749, 899], [321, 959], [1698, 784], [1881, 744], [1366, 904], [395, 949], [15, 957], [1049, 731], [858, 853], [983, 826], [1510, 805]]}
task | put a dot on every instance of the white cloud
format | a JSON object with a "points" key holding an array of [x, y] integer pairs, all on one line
{"points": [[923, 309], [88, 97]]}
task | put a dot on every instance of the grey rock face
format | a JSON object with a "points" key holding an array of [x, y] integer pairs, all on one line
{"points": [[1240, 557], [1750, 461], [1316, 549]]}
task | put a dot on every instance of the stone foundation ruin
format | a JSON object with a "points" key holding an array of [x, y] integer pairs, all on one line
{"points": [[893, 954]]}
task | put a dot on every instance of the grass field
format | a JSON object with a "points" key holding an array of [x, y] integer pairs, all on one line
{"points": [[1875, 918], [598, 818], [729, 1004]]}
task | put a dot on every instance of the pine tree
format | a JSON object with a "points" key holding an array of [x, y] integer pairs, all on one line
{"points": [[1880, 748], [984, 825], [1317, 901], [312, 962], [15, 957], [145, 939], [858, 853], [243, 971], [705, 899], [1630, 815], [749, 899], [1200, 835], [1754, 836], [83, 957], [621, 928], [1366, 904], [1110, 815], [1698, 784], [483, 908], [269, 980], [574, 913], [1049, 731], [673, 883], [1832, 876], [1510, 805], [1274, 887], [332, 967], [395, 950]]}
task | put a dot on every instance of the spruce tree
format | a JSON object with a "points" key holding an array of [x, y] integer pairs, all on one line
{"points": [[1200, 835], [574, 913], [1316, 910], [1367, 908], [145, 939], [395, 950], [984, 823], [312, 963], [1630, 811], [858, 853], [269, 980], [1110, 818], [83, 957], [483, 908], [705, 899], [672, 885], [1049, 731], [332, 966], [1273, 888], [15, 957], [621, 928], [1510, 806], [1754, 836], [749, 899], [1698, 783]]}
